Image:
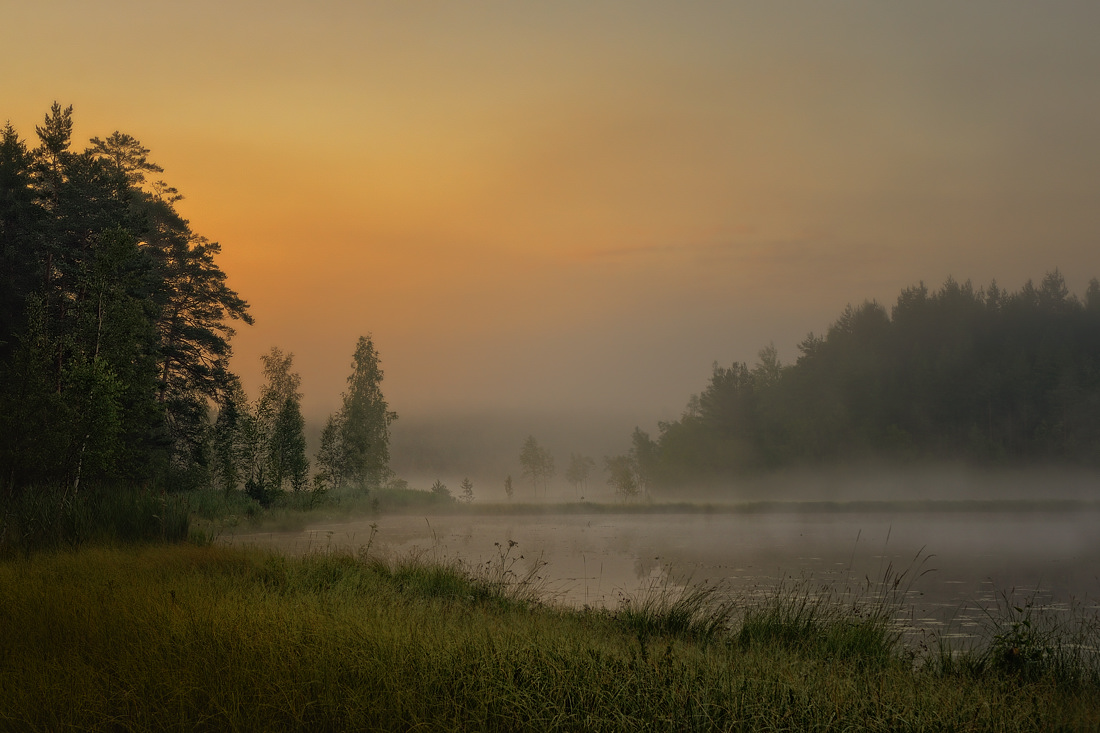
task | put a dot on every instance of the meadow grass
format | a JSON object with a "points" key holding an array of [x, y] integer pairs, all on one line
{"points": [[216, 638]]}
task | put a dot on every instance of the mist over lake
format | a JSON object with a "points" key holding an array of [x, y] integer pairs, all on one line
{"points": [[953, 561]]}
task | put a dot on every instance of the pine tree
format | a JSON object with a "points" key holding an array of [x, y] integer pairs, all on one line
{"points": [[226, 439], [114, 335], [355, 442]]}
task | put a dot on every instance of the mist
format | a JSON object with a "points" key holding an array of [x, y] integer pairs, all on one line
{"points": [[486, 448], [776, 300]]}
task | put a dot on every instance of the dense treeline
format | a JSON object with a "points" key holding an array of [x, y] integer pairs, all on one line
{"points": [[115, 320], [959, 373], [115, 325]]}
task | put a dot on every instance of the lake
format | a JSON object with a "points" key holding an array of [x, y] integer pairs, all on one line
{"points": [[954, 563]]}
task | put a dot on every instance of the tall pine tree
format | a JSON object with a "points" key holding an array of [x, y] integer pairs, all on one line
{"points": [[355, 442]]}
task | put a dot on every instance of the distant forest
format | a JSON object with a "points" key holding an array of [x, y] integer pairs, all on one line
{"points": [[115, 322], [982, 375]]}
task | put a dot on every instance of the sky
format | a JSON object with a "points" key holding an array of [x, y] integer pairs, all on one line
{"points": [[577, 207]]}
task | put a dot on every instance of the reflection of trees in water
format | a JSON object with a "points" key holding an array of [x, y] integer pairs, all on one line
{"points": [[977, 555]]}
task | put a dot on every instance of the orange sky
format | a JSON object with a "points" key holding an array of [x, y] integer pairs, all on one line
{"points": [[579, 206]]}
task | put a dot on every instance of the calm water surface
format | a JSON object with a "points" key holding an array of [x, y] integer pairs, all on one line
{"points": [[955, 564]]}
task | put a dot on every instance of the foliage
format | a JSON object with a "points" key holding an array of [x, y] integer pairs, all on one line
{"points": [[1028, 642], [53, 517], [663, 608], [262, 444], [231, 439], [115, 325], [821, 621], [621, 476], [467, 494], [580, 468], [440, 490], [961, 373], [643, 459], [281, 426], [400, 498], [355, 441]]}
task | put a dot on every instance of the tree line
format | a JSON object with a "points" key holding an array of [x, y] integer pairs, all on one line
{"points": [[977, 374], [115, 329], [260, 447], [116, 319]]}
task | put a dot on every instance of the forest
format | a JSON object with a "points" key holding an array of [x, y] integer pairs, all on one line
{"points": [[980, 375], [116, 323], [116, 318], [115, 329]]}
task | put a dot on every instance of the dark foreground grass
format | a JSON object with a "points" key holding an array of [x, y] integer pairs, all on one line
{"points": [[52, 517], [216, 638]]}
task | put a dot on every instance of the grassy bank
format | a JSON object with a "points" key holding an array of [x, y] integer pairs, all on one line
{"points": [[216, 638]]}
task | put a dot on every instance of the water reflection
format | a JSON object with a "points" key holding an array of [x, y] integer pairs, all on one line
{"points": [[954, 565]]}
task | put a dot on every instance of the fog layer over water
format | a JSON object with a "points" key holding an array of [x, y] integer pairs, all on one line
{"points": [[955, 563]]}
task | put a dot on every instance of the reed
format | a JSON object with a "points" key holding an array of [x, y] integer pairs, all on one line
{"points": [[664, 608], [848, 621]]}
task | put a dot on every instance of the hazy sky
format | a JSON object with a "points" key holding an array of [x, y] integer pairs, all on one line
{"points": [[582, 205]]}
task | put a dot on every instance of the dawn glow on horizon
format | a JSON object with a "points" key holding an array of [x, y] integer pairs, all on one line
{"points": [[581, 206]]}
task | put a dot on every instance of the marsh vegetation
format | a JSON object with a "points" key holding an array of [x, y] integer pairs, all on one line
{"points": [[229, 638]]}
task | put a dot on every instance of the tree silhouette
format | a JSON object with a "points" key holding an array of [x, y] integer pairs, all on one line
{"points": [[959, 373], [355, 440], [580, 468], [538, 464], [114, 336]]}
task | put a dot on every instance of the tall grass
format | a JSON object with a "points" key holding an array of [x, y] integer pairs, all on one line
{"points": [[664, 608], [821, 623], [218, 638], [43, 518], [1028, 641], [860, 620]]}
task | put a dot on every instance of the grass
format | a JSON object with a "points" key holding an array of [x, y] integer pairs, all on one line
{"points": [[49, 517], [1029, 642], [217, 638], [858, 620], [662, 608], [43, 518]]}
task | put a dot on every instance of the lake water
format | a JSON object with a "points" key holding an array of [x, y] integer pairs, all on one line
{"points": [[955, 564]]}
